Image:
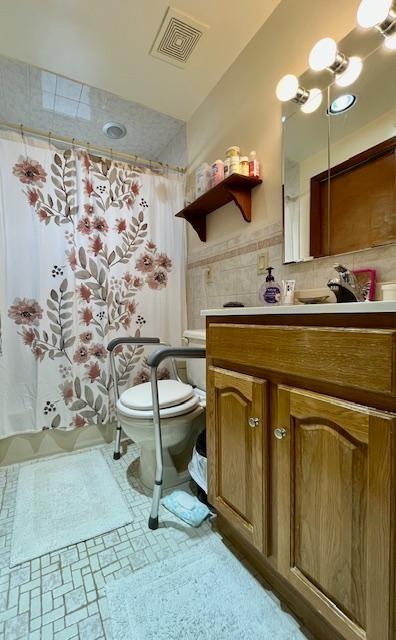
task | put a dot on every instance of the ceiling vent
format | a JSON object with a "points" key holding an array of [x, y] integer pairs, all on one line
{"points": [[177, 38]]}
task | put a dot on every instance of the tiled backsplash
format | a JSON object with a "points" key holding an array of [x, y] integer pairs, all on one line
{"points": [[232, 270], [50, 102], [228, 271]]}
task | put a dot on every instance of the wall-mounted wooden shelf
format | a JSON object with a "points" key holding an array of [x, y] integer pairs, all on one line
{"points": [[236, 188]]}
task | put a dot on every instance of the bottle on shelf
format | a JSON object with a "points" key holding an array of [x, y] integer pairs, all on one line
{"points": [[233, 160], [254, 165], [217, 172], [202, 179], [244, 166]]}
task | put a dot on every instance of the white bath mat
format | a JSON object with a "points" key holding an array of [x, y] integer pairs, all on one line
{"points": [[203, 593], [62, 501]]}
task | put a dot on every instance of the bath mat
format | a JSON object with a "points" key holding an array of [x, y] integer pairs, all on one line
{"points": [[62, 501], [202, 593]]}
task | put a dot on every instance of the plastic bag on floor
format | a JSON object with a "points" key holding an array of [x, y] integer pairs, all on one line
{"points": [[198, 468]]}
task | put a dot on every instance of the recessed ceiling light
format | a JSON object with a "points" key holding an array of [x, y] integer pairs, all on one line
{"points": [[114, 130], [342, 104]]}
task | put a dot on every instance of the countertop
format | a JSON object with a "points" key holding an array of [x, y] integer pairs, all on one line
{"points": [[298, 309]]}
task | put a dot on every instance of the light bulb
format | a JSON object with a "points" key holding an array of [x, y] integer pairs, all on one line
{"points": [[351, 73], [314, 101], [390, 42], [373, 12], [323, 54], [287, 88]]}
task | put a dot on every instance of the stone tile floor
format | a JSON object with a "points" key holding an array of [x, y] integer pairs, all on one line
{"points": [[61, 595]]}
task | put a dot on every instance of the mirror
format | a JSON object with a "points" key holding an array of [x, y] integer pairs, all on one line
{"points": [[305, 154], [339, 169]]}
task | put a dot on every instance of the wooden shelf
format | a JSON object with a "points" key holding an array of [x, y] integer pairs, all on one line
{"points": [[236, 188]]}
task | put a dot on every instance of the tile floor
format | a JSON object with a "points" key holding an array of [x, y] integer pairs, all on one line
{"points": [[61, 595]]}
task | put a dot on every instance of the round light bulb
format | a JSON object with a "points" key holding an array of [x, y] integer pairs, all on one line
{"points": [[390, 42], [323, 54], [373, 12], [351, 73], [287, 88], [314, 101]]}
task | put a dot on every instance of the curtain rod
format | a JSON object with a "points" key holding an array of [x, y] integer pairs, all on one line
{"points": [[108, 151]]}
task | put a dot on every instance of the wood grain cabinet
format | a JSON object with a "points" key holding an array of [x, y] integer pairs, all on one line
{"points": [[237, 406], [303, 473], [335, 505]]}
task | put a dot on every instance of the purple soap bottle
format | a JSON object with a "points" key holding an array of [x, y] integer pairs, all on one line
{"points": [[270, 291]]}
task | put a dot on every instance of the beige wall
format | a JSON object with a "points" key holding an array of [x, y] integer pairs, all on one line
{"points": [[243, 110]]}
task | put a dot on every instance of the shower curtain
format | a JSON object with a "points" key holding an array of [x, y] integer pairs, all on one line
{"points": [[90, 250]]}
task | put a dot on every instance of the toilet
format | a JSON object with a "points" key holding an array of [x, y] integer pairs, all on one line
{"points": [[181, 409]]}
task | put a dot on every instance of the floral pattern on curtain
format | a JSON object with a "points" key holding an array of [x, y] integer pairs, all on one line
{"points": [[104, 253]]}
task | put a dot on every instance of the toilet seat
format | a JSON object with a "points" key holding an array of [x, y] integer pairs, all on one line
{"points": [[171, 393], [167, 412]]}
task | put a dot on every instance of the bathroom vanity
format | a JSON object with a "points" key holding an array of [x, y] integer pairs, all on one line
{"points": [[301, 437]]}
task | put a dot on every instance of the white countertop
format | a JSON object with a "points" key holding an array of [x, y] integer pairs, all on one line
{"points": [[298, 309]]}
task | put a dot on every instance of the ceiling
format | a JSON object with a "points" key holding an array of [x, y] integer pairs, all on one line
{"points": [[107, 44]]}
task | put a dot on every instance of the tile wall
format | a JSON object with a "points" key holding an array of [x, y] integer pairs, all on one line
{"points": [[228, 271]]}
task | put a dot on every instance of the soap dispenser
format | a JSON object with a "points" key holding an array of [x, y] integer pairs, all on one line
{"points": [[270, 291]]}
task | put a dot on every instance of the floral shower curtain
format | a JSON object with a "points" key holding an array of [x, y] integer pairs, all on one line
{"points": [[90, 250]]}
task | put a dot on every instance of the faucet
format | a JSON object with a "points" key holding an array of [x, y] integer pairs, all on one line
{"points": [[345, 287]]}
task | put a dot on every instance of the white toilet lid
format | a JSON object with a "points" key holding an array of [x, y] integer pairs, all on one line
{"points": [[170, 393], [171, 412]]}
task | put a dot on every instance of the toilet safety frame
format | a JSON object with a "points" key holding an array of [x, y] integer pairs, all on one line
{"points": [[154, 360]]}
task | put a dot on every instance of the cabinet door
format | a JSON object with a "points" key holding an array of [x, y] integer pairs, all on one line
{"points": [[236, 437], [336, 506]]}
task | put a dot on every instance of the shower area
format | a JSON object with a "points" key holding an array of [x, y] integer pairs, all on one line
{"points": [[90, 250]]}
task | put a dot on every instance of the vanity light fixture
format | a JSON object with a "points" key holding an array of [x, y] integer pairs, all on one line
{"points": [[288, 89], [314, 101], [325, 55], [351, 73], [376, 13], [381, 15], [390, 42]]}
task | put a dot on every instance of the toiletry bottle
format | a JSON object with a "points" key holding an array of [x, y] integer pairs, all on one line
{"points": [[244, 166], [217, 172], [270, 291], [233, 156], [288, 291], [254, 166]]}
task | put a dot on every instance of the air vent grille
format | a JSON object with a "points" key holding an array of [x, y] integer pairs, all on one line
{"points": [[177, 38]]}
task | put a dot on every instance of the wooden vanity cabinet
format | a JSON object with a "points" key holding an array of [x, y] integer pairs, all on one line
{"points": [[237, 411], [306, 479], [335, 501]]}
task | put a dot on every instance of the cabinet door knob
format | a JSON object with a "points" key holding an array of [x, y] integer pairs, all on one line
{"points": [[280, 433], [253, 422]]}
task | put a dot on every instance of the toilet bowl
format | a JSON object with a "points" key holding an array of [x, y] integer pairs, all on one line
{"points": [[180, 406]]}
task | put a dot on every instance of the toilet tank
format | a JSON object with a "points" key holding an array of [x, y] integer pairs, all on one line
{"points": [[196, 368]]}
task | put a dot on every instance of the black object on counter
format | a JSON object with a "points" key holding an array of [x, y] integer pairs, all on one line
{"points": [[233, 304]]}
